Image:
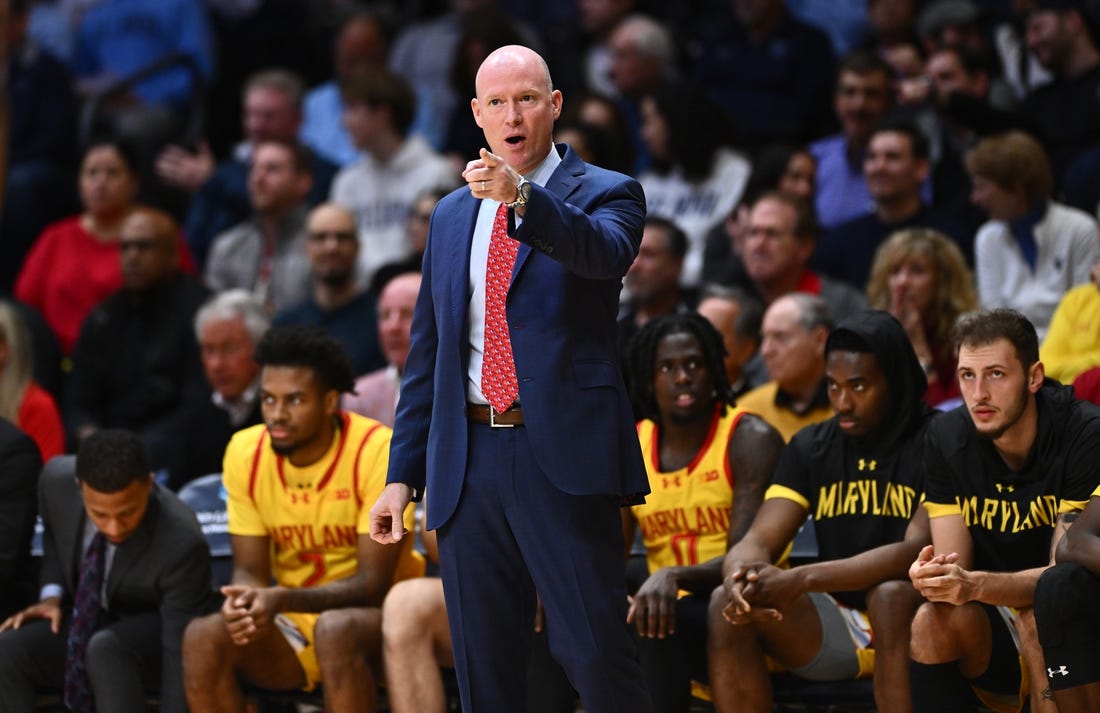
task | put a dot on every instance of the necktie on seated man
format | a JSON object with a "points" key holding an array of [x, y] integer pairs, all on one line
{"points": [[86, 609], [498, 370]]}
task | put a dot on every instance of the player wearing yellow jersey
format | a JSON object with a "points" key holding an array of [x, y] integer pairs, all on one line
{"points": [[299, 491], [708, 465]]}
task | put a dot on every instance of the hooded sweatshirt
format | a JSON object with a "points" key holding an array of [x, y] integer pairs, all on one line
{"points": [[862, 492]]}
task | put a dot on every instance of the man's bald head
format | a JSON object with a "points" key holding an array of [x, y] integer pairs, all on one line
{"points": [[395, 313], [148, 248], [513, 58], [332, 244], [330, 216]]}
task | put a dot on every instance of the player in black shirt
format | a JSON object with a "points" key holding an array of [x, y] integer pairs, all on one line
{"points": [[1003, 471], [859, 475]]}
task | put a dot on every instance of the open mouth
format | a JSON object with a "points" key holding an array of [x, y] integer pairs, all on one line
{"points": [[685, 400], [515, 140]]}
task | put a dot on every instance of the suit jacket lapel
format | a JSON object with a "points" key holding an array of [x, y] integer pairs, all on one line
{"points": [[563, 181], [70, 536], [460, 236]]}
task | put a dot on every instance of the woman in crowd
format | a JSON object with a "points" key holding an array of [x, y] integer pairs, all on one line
{"points": [[74, 264], [697, 177], [22, 400], [920, 276]]}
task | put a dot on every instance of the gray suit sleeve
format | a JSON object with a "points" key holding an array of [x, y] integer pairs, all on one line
{"points": [[187, 592]]}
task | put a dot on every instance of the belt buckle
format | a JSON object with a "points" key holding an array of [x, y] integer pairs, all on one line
{"points": [[493, 421]]}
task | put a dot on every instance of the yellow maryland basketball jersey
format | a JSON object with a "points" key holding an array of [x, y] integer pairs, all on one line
{"points": [[686, 517], [313, 515]]}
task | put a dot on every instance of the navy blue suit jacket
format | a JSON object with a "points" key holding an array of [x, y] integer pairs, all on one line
{"points": [[578, 238]]}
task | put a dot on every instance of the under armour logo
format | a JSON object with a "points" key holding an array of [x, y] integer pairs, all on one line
{"points": [[867, 465], [1003, 488], [1061, 671], [673, 482], [295, 498]]}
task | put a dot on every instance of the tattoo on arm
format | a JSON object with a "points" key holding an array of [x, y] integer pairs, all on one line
{"points": [[1047, 694]]}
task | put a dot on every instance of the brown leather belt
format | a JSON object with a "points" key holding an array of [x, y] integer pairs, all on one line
{"points": [[484, 414]]}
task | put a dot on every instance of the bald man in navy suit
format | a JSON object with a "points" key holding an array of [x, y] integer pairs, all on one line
{"points": [[525, 492]]}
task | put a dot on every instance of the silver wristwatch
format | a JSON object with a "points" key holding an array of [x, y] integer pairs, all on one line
{"points": [[523, 193]]}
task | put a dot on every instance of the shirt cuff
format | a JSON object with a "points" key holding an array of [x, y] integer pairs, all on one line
{"points": [[51, 590]]}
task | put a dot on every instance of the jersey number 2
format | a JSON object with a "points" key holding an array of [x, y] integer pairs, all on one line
{"points": [[318, 561]]}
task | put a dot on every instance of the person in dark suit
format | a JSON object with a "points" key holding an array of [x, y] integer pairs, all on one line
{"points": [[19, 466], [534, 507], [155, 579]]}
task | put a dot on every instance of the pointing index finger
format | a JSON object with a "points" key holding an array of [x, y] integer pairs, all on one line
{"points": [[491, 160]]}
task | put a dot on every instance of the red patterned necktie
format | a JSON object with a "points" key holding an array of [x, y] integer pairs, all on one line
{"points": [[86, 608], [498, 371]]}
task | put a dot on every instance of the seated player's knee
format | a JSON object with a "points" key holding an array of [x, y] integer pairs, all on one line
{"points": [[891, 607], [409, 608], [946, 632], [718, 602], [893, 593], [1060, 593], [345, 632], [205, 640], [924, 631]]}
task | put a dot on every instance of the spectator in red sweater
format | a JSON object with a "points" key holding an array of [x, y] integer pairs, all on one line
{"points": [[74, 263]]}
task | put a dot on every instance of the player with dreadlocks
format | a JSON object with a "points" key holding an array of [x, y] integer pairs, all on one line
{"points": [[708, 464]]}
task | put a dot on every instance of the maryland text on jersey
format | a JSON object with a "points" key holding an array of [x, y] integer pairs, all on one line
{"points": [[1008, 515], [695, 520], [865, 497], [313, 537]]}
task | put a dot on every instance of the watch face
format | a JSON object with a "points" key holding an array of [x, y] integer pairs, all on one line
{"points": [[525, 191]]}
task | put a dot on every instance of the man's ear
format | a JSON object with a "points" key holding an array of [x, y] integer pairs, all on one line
{"points": [[476, 109], [1035, 376], [821, 336], [332, 402], [305, 184], [925, 169]]}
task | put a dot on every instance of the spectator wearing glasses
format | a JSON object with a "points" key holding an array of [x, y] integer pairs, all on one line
{"points": [[336, 302]]}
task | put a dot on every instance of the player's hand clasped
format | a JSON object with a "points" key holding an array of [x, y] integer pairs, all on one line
{"points": [[940, 579], [490, 177], [248, 612]]}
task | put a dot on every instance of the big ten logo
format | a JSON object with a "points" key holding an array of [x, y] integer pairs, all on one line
{"points": [[343, 494]]}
